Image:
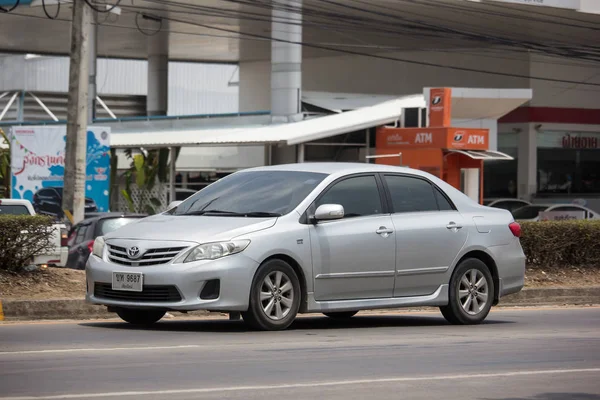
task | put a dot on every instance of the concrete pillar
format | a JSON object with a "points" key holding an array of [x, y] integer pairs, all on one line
{"points": [[93, 55], [157, 100], [286, 61], [527, 161]]}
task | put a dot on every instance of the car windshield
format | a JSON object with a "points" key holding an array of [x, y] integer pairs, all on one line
{"points": [[13, 209], [112, 224], [528, 212], [252, 194]]}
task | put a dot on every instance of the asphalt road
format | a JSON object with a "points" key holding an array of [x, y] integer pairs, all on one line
{"points": [[538, 354]]}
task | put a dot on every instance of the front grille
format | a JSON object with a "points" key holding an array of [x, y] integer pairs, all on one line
{"points": [[164, 255], [150, 293]]}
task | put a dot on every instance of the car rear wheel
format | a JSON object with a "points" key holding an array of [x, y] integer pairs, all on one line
{"points": [[274, 297], [341, 314], [471, 293], [140, 317]]}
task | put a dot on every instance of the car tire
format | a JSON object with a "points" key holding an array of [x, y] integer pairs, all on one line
{"points": [[341, 314], [275, 297], [470, 295], [140, 317]]}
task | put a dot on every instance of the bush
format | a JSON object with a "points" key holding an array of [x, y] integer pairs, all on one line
{"points": [[561, 243], [21, 238]]}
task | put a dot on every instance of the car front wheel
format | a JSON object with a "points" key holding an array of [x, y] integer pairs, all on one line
{"points": [[274, 297], [470, 294]]}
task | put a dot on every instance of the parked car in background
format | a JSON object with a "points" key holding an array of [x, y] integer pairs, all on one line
{"points": [[58, 255], [333, 238], [82, 235], [48, 201], [507, 204], [560, 211]]}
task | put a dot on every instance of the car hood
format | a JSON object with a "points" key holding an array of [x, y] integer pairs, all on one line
{"points": [[200, 229]]}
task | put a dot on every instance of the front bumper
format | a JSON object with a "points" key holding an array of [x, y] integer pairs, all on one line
{"points": [[235, 274]]}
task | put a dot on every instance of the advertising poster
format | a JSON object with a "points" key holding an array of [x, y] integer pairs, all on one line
{"points": [[38, 162]]}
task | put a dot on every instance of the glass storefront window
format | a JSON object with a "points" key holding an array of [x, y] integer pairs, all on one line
{"points": [[568, 162], [500, 176]]}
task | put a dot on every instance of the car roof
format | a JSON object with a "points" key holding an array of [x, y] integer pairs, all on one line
{"points": [[331, 168], [14, 202]]}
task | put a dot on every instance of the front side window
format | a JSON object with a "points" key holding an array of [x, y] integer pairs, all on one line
{"points": [[412, 194], [358, 195], [252, 193]]}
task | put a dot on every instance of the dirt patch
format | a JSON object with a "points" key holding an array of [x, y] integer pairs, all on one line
{"points": [[562, 277], [48, 283], [62, 283]]}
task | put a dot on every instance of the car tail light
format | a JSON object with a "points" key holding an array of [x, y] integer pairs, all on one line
{"points": [[90, 246], [64, 237], [515, 228]]}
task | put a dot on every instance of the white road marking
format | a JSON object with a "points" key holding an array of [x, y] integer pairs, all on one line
{"points": [[304, 385], [4, 353]]}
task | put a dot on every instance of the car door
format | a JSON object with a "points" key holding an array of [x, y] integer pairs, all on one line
{"points": [[430, 233], [354, 257]]}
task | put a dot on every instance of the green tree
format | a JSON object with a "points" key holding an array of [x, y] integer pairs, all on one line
{"points": [[147, 168]]}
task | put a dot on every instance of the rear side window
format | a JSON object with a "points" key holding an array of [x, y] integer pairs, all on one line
{"points": [[442, 201], [412, 194]]}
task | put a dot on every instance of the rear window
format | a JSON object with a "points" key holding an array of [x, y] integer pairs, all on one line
{"points": [[13, 209], [528, 212], [108, 225]]}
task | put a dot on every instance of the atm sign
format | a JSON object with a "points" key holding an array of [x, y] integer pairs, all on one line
{"points": [[468, 139]]}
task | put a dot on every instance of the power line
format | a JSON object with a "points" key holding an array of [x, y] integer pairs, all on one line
{"points": [[106, 10], [4, 10], [383, 57], [47, 13]]}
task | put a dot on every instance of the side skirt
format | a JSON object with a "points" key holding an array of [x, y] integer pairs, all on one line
{"points": [[437, 298]]}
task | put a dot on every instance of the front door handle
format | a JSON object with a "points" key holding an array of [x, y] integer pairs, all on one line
{"points": [[453, 225], [383, 231]]}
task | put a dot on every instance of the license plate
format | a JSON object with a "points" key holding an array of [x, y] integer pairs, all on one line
{"points": [[131, 282]]}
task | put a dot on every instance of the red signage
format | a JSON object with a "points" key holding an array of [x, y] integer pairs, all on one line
{"points": [[575, 142]]}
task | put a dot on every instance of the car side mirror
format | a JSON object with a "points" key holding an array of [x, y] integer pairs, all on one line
{"points": [[328, 212]]}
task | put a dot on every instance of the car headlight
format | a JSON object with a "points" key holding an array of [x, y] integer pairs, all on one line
{"points": [[98, 247], [213, 251]]}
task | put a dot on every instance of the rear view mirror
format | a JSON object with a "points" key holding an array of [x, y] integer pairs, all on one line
{"points": [[327, 212]]}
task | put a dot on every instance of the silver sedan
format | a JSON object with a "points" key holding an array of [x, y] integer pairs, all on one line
{"points": [[332, 238]]}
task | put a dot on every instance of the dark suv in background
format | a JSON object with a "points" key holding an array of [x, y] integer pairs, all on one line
{"points": [[48, 201]]}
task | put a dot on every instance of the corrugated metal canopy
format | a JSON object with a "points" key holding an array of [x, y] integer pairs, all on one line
{"points": [[290, 134]]}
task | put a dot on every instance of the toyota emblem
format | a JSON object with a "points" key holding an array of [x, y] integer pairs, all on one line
{"points": [[133, 252]]}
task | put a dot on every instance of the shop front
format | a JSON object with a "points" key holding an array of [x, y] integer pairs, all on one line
{"points": [[567, 166]]}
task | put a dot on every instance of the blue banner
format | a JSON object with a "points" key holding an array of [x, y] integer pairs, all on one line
{"points": [[38, 162]]}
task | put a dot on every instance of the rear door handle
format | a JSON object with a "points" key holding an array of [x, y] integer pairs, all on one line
{"points": [[453, 225]]}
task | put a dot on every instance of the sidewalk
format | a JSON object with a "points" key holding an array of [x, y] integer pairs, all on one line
{"points": [[25, 310]]}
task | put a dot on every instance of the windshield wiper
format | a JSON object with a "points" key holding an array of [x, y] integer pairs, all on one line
{"points": [[251, 214]]}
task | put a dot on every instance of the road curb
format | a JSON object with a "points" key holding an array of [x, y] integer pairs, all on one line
{"points": [[27, 310]]}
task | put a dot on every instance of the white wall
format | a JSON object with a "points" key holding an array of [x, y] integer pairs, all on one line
{"points": [[255, 86], [194, 88], [555, 94], [358, 74]]}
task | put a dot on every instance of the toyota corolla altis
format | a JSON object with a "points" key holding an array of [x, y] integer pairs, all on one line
{"points": [[333, 238]]}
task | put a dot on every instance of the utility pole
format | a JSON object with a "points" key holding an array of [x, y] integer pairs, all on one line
{"points": [[77, 114]]}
